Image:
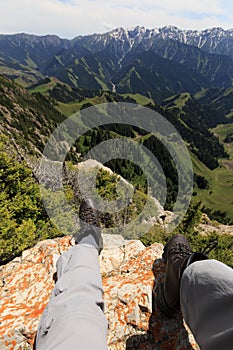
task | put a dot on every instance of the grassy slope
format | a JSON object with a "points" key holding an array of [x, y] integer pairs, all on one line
{"points": [[44, 88], [219, 196], [69, 108], [222, 131], [20, 77], [140, 99]]}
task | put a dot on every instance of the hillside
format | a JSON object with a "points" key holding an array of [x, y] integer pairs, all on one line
{"points": [[220, 101], [211, 185], [30, 118]]}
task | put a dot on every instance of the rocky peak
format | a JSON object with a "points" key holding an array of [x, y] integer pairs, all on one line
{"points": [[129, 270]]}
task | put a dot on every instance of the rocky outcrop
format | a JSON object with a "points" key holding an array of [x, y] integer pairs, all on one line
{"points": [[129, 272], [218, 229]]}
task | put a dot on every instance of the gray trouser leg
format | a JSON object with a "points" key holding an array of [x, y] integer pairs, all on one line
{"points": [[74, 318], [207, 303]]}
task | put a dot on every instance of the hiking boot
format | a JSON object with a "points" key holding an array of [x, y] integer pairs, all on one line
{"points": [[90, 231], [177, 256]]}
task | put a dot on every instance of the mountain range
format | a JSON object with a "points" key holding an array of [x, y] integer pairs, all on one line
{"points": [[157, 62]]}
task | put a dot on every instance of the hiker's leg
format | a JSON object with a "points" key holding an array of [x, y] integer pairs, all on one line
{"points": [[207, 303], [74, 317]]}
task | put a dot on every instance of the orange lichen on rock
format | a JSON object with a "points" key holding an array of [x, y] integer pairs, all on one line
{"points": [[130, 272]]}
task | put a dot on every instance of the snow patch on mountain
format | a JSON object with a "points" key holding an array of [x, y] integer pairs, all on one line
{"points": [[213, 40]]}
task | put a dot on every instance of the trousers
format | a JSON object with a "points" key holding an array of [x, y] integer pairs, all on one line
{"points": [[74, 318], [206, 298]]}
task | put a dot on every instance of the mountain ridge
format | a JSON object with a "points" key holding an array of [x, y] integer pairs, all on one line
{"points": [[91, 61], [170, 31]]}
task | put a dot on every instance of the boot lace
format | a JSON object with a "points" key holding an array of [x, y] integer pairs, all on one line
{"points": [[209, 247], [89, 216], [180, 248]]}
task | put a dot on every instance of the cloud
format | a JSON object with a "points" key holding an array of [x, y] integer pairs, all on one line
{"points": [[69, 18]]}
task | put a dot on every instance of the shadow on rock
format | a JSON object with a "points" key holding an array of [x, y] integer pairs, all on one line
{"points": [[164, 333]]}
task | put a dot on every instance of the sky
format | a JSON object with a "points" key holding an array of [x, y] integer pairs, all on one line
{"points": [[70, 18]]}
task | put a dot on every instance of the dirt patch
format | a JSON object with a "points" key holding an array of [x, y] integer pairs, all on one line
{"points": [[228, 164]]}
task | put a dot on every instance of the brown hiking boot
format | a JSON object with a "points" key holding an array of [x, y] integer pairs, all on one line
{"points": [[177, 256], [90, 231]]}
